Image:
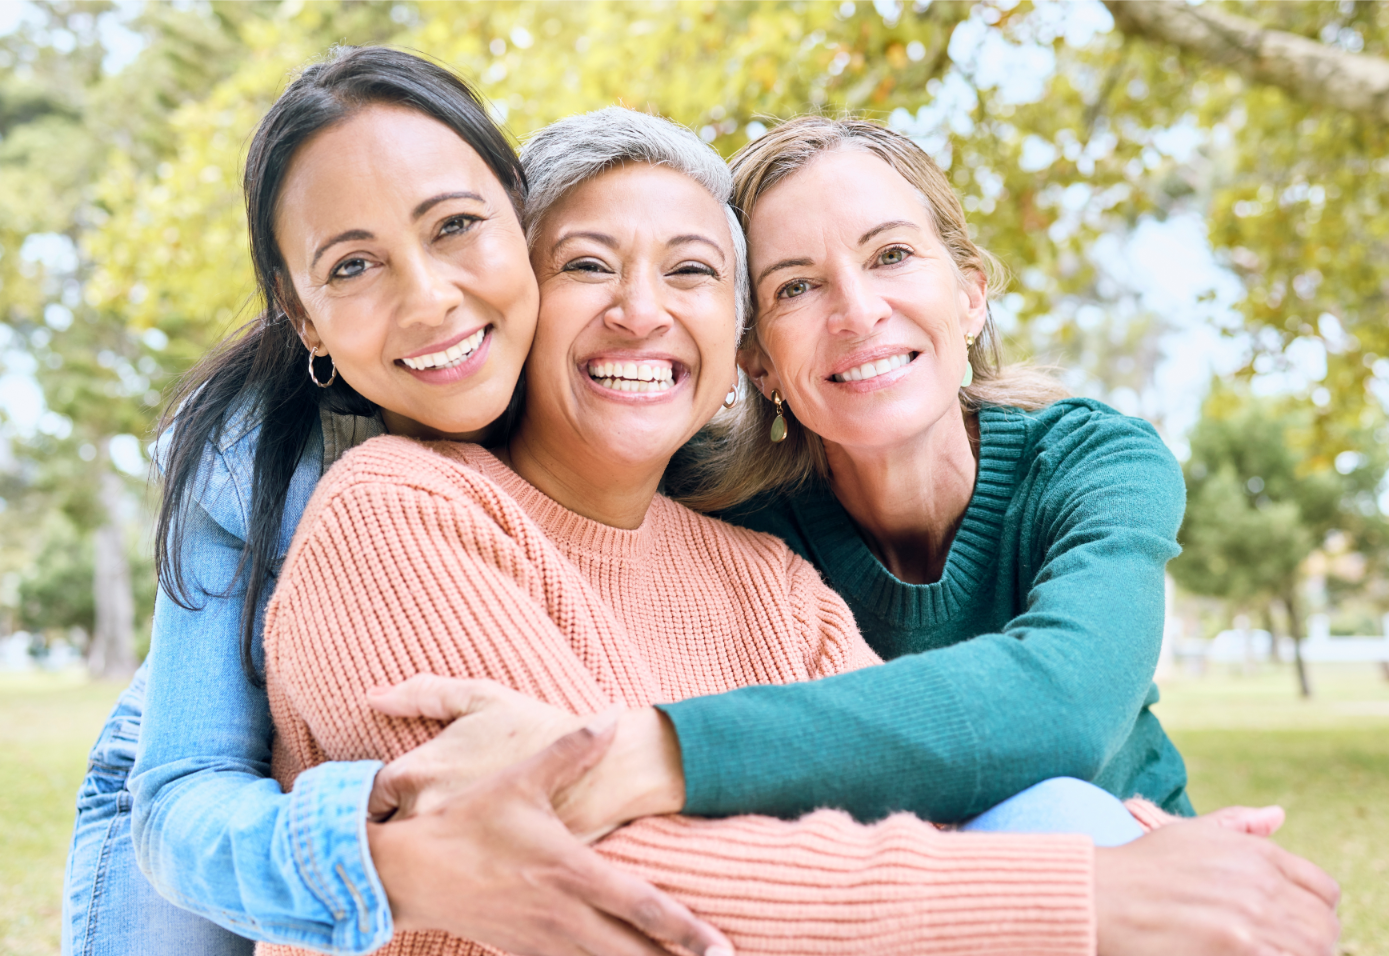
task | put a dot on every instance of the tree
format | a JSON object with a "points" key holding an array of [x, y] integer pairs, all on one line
{"points": [[1256, 509], [1313, 72]]}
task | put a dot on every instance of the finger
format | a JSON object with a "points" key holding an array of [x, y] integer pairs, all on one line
{"points": [[597, 934], [1257, 821], [655, 913], [429, 695], [1307, 875], [384, 799], [565, 761], [1302, 925]]}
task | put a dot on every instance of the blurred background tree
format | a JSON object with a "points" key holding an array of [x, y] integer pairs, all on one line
{"points": [[1258, 505], [1169, 212]]}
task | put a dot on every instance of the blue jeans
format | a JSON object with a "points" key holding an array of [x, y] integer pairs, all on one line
{"points": [[109, 908], [1062, 805]]}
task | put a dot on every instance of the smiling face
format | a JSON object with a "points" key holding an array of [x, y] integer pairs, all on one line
{"points": [[862, 315], [634, 350], [410, 270]]}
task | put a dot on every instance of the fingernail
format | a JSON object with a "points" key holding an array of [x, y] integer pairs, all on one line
{"points": [[377, 690], [602, 723], [718, 951]]}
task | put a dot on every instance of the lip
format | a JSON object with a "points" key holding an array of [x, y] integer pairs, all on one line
{"points": [[443, 346], [679, 370], [446, 376], [878, 381]]}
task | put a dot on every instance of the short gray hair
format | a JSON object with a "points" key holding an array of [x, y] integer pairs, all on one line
{"points": [[571, 151]]}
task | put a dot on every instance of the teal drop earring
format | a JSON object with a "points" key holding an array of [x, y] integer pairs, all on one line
{"points": [[969, 366], [778, 423]]}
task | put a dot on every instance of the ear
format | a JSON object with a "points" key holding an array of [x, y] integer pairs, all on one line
{"points": [[976, 303], [288, 302], [758, 368]]}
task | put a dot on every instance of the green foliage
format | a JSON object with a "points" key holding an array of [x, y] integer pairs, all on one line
{"points": [[1258, 504]]}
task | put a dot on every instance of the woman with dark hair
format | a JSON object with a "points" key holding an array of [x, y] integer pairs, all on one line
{"points": [[383, 208]]}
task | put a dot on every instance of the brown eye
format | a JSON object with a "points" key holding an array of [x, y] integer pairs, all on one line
{"points": [[793, 289], [349, 268], [456, 225]]}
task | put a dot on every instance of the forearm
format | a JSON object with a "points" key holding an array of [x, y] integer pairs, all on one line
{"points": [[213, 831], [285, 868], [824, 884]]}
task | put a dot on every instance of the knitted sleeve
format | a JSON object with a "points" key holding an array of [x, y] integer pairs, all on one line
{"points": [[387, 580]]}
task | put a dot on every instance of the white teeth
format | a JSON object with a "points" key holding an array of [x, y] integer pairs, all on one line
{"points": [[632, 377], [873, 369], [449, 357]]}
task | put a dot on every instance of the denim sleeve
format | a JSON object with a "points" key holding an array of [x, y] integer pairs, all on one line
{"points": [[212, 829]]}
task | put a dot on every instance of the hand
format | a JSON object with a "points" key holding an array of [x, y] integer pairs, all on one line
{"points": [[1256, 821], [490, 727], [1200, 889], [493, 863]]}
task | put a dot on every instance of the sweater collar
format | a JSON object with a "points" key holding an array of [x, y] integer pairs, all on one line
{"points": [[858, 574], [568, 529]]}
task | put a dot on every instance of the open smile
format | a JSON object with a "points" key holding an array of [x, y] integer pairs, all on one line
{"points": [[870, 370], [449, 356], [647, 375]]}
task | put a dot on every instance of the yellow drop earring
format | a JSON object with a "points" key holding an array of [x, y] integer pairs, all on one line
{"points": [[778, 423], [969, 366]]}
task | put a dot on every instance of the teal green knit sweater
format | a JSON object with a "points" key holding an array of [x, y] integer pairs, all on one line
{"points": [[1032, 656]]}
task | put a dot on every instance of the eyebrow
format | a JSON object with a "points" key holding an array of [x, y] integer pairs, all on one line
{"points": [[353, 235], [430, 203], [883, 227], [795, 263], [350, 235], [783, 264], [604, 239]]}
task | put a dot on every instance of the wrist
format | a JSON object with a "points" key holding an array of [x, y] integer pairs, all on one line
{"points": [[647, 754]]}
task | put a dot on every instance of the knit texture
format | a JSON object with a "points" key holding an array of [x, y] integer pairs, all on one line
{"points": [[1032, 657], [414, 558]]}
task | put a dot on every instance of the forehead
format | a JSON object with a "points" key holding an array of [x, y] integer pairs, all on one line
{"points": [[846, 189], [637, 196], [381, 152]]}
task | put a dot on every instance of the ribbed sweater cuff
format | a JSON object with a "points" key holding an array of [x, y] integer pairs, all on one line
{"points": [[825, 885]]}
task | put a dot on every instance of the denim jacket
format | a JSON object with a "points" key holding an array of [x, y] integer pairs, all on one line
{"points": [[212, 830]]}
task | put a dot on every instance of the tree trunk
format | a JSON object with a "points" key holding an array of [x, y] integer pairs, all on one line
{"points": [[1307, 70], [1290, 602], [112, 652]]}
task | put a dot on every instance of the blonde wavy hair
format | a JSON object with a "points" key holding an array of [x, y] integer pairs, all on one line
{"points": [[733, 460]]}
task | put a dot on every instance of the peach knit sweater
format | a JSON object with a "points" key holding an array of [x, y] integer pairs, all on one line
{"points": [[438, 558]]}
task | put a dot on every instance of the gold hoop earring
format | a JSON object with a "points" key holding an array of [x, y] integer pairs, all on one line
{"points": [[731, 398], [969, 340], [779, 423], [313, 353], [969, 366]]}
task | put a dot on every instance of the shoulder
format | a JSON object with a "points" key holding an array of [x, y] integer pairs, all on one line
{"points": [[1081, 450], [224, 482], [1081, 433]]}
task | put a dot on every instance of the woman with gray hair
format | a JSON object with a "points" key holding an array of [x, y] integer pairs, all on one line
{"points": [[489, 860]]}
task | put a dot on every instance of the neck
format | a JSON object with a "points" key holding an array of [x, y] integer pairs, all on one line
{"points": [[583, 479], [400, 425], [908, 500]]}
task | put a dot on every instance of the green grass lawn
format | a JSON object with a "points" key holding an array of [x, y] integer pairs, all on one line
{"points": [[47, 724], [1247, 739]]}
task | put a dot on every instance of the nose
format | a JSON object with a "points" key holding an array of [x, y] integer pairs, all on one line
{"points": [[428, 292], [857, 309], [639, 309]]}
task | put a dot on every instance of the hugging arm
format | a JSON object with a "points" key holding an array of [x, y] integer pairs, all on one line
{"points": [[1066, 678], [212, 829], [459, 589]]}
